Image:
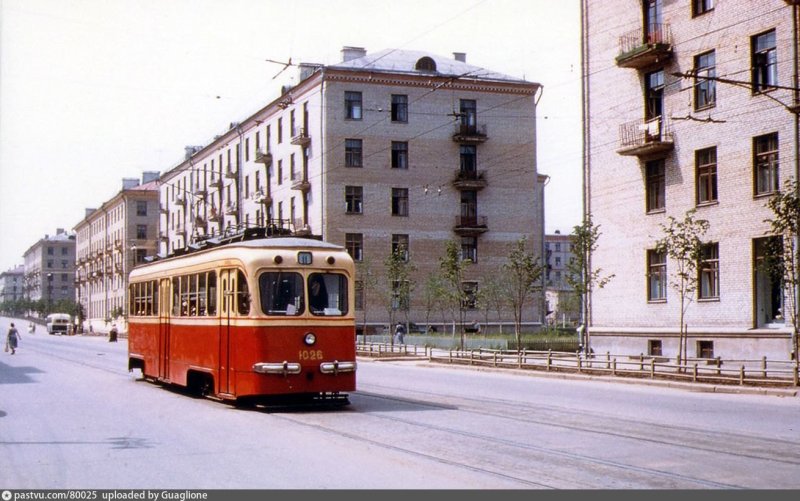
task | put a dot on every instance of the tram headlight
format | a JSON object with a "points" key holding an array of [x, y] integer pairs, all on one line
{"points": [[310, 339]]}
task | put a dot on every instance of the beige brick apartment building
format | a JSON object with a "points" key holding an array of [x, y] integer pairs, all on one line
{"points": [[109, 242], [395, 148], [688, 104]]}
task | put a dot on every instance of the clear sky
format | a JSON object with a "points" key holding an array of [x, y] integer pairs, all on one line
{"points": [[92, 91]]}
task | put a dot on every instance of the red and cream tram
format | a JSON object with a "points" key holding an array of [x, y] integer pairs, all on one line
{"points": [[263, 319]]}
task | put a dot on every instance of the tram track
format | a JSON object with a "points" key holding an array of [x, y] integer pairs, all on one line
{"points": [[658, 434]]}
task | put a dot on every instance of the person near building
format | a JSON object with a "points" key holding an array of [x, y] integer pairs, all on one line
{"points": [[12, 340]]}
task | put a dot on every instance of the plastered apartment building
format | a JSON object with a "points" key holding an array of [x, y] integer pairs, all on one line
{"points": [[688, 105]]}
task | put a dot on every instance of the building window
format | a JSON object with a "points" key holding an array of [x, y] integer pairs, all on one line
{"points": [[705, 349], [354, 199], [141, 207], [654, 92], [655, 185], [352, 105], [706, 169], [399, 108], [353, 152], [141, 231], [469, 114], [354, 243], [764, 61], [767, 265], [400, 201], [701, 7], [140, 255], [400, 245], [654, 347], [469, 159], [656, 275], [469, 249], [765, 161], [399, 155], [50, 251], [705, 95], [709, 272]]}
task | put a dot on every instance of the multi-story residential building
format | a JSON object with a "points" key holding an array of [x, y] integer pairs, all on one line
{"points": [[50, 268], [689, 106], [397, 149], [110, 241], [562, 304], [12, 284]]}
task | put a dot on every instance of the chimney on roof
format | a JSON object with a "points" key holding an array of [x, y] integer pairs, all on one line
{"points": [[129, 182], [460, 56], [59, 231], [88, 212], [350, 53], [308, 69], [191, 150], [150, 176]]}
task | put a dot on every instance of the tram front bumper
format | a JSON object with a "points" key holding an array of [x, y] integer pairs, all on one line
{"points": [[284, 368]]}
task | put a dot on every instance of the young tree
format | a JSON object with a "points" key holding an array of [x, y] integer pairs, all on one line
{"points": [[523, 273], [493, 297], [434, 296], [580, 275], [368, 281], [399, 284], [783, 258], [682, 243], [453, 269]]}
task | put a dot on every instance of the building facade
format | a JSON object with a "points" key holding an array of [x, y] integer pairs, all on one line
{"points": [[393, 150], [563, 308], [12, 284], [688, 106], [110, 241], [50, 268]]}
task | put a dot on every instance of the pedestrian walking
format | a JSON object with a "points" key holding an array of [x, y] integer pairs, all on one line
{"points": [[400, 333], [12, 339], [112, 334]]}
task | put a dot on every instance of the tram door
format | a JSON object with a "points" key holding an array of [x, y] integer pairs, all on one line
{"points": [[164, 292], [228, 312]]}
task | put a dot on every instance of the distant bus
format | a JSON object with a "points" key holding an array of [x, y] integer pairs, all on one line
{"points": [[58, 323]]}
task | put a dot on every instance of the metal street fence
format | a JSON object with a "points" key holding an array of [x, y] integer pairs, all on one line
{"points": [[757, 372]]}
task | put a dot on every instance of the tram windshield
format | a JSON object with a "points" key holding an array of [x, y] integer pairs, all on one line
{"points": [[284, 294]]}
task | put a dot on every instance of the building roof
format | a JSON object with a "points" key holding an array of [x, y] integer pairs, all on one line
{"points": [[405, 61]]}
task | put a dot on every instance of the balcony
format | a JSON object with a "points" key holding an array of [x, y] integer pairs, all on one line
{"points": [[301, 185], [470, 133], [643, 138], [163, 209], [262, 198], [300, 136], [180, 200], [163, 236], [264, 158], [217, 183], [469, 180], [231, 172], [230, 209], [639, 49], [470, 225]]}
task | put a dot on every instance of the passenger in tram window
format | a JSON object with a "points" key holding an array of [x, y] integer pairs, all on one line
{"points": [[319, 294]]}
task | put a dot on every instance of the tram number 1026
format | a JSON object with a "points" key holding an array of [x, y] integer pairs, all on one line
{"points": [[310, 355]]}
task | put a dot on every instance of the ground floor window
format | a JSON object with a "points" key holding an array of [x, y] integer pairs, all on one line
{"points": [[654, 347], [705, 349]]}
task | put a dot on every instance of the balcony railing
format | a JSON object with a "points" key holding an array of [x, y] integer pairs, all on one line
{"points": [[300, 136], [645, 137], [639, 48], [264, 158], [469, 179], [231, 172], [470, 225], [470, 133], [262, 198], [301, 185]]}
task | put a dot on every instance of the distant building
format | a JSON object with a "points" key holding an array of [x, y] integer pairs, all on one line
{"points": [[110, 241], [562, 307], [12, 284], [392, 150], [689, 106], [50, 268]]}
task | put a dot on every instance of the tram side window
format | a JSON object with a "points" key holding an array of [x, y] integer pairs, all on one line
{"points": [[242, 294], [212, 293], [195, 295], [281, 293], [176, 296], [143, 298], [327, 294]]}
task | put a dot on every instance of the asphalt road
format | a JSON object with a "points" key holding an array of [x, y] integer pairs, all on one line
{"points": [[72, 416]]}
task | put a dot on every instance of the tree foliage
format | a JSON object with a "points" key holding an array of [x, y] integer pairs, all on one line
{"points": [[682, 243], [523, 273]]}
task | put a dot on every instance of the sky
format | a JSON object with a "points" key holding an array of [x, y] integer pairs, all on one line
{"points": [[93, 91]]}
